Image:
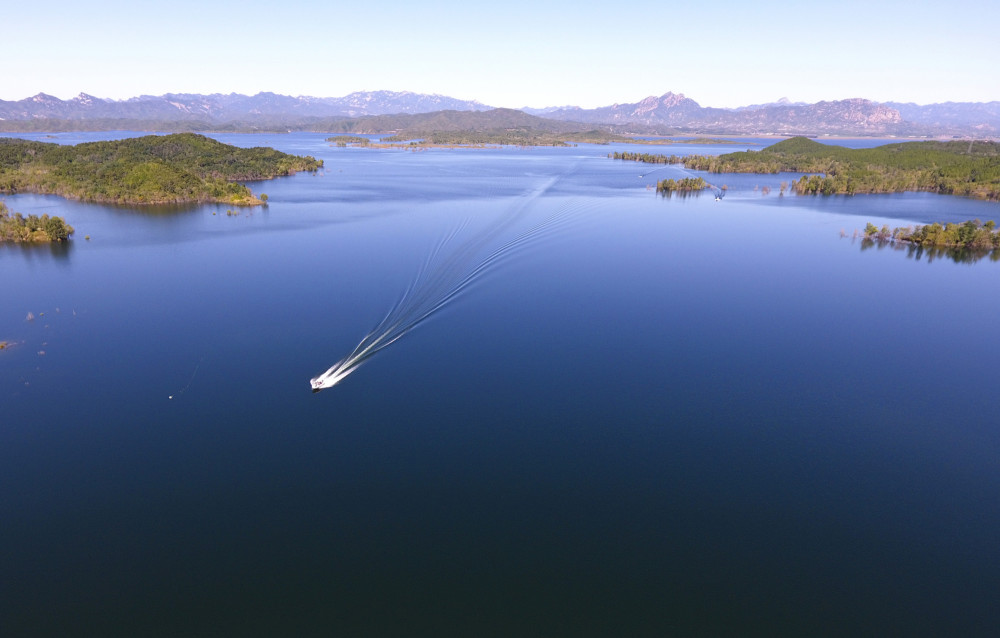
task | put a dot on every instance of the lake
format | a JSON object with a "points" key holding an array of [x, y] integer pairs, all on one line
{"points": [[638, 416]]}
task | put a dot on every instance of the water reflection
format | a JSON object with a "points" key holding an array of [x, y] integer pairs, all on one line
{"points": [[683, 194], [163, 210], [932, 253], [58, 251]]}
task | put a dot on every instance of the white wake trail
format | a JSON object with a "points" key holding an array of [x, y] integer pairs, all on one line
{"points": [[439, 281]]}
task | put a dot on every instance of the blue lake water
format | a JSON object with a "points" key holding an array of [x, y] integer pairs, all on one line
{"points": [[653, 416]]}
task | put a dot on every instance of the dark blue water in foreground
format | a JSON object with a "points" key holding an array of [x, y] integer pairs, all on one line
{"points": [[663, 417]]}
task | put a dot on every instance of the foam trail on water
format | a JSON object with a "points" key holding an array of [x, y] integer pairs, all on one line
{"points": [[440, 280]]}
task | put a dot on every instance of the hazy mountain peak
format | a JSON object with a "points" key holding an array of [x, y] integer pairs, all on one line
{"points": [[86, 99], [670, 99]]}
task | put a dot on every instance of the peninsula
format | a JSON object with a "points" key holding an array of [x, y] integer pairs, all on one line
{"points": [[954, 168], [493, 128], [155, 169]]}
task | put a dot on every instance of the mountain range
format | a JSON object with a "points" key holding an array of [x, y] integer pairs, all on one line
{"points": [[668, 113], [674, 110], [232, 107]]}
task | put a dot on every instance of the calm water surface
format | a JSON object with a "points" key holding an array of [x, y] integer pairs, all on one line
{"points": [[662, 416]]}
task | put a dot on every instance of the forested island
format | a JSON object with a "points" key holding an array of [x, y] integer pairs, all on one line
{"points": [[953, 168], [18, 228], [683, 185], [647, 158], [155, 169], [349, 140]]}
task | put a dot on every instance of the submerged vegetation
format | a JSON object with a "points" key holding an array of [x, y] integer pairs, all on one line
{"points": [[18, 228], [155, 169], [954, 168], [971, 234], [967, 242]]}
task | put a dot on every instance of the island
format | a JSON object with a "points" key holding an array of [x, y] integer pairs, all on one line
{"points": [[954, 168], [647, 158], [349, 140], [683, 185], [155, 169], [18, 228]]}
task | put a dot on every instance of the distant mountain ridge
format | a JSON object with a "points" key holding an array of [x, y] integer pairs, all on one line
{"points": [[223, 108], [668, 113], [977, 115], [855, 116]]}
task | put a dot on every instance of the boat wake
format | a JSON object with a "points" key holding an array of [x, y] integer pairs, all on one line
{"points": [[449, 271]]}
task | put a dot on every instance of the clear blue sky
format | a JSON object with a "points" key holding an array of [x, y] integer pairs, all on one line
{"points": [[510, 54]]}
